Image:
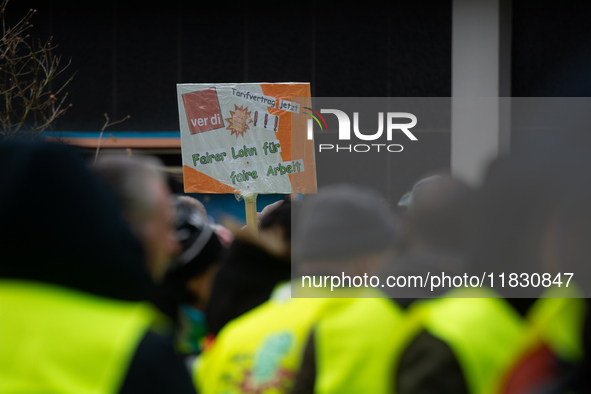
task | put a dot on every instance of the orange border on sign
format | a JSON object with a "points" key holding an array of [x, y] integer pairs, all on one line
{"points": [[304, 182], [200, 183]]}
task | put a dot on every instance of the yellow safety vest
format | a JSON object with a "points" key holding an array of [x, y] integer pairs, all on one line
{"points": [[58, 340], [559, 322], [261, 351], [483, 333], [552, 321], [357, 346]]}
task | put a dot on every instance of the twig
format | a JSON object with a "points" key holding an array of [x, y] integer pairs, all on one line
{"points": [[107, 124]]}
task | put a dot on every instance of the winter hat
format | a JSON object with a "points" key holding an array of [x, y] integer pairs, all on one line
{"points": [[341, 222], [199, 244], [201, 249]]}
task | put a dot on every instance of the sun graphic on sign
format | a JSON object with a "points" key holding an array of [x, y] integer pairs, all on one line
{"points": [[239, 120]]}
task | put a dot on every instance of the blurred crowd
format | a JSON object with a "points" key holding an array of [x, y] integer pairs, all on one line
{"points": [[109, 283]]}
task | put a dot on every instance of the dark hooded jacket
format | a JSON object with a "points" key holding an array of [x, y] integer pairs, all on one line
{"points": [[60, 225]]}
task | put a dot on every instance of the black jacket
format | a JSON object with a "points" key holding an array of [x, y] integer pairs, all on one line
{"points": [[59, 224]]}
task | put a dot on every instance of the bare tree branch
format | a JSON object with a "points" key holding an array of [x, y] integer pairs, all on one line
{"points": [[28, 69]]}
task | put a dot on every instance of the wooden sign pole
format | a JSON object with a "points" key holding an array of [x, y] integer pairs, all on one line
{"points": [[250, 202]]}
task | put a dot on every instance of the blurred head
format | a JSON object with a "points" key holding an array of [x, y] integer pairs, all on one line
{"points": [[189, 277], [514, 225], [195, 204], [145, 198], [344, 227], [438, 214], [275, 223], [408, 198], [566, 245], [76, 236]]}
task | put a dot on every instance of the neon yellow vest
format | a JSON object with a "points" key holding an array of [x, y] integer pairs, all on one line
{"points": [[57, 340], [483, 333], [261, 351], [557, 322], [357, 346]]}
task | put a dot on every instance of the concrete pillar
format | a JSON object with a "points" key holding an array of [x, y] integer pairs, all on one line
{"points": [[481, 73]]}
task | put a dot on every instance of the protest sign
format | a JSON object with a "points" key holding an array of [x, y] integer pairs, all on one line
{"points": [[247, 138]]}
